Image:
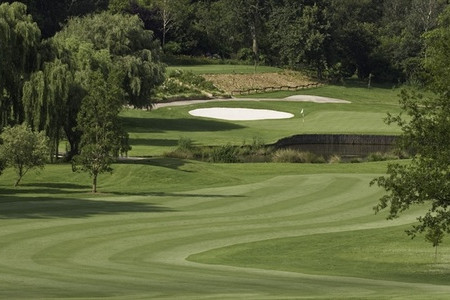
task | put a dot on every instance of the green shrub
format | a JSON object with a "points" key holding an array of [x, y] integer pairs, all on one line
{"points": [[286, 156], [225, 154], [189, 78], [380, 156], [185, 143], [181, 154], [294, 156], [184, 150], [173, 87]]}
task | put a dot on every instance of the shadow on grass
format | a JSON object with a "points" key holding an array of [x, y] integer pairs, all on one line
{"points": [[153, 142], [170, 163], [152, 125], [44, 207], [45, 188], [359, 83]]}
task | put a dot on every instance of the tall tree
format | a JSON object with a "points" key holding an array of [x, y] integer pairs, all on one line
{"points": [[98, 119], [19, 43], [101, 42], [402, 30], [299, 33], [426, 132], [47, 92], [354, 34], [170, 14]]}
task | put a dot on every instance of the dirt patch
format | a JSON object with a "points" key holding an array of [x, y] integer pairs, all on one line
{"points": [[233, 82]]}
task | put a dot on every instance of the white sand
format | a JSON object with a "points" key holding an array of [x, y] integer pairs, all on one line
{"points": [[239, 114]]}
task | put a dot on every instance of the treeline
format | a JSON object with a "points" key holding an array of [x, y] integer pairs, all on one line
{"points": [[335, 39]]}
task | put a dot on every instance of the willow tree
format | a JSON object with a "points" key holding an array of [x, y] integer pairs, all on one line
{"points": [[46, 97], [19, 42], [131, 47], [96, 43]]}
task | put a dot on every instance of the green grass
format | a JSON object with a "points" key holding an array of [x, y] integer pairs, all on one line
{"points": [[156, 132], [382, 254], [352, 90], [177, 229], [225, 69], [132, 240]]}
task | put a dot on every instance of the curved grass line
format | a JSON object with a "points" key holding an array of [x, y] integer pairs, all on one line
{"points": [[142, 254]]}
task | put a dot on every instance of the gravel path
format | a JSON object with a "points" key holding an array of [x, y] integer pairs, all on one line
{"points": [[296, 98]]}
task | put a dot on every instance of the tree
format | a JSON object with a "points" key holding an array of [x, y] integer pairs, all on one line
{"points": [[119, 6], [98, 119], [222, 30], [426, 133], [23, 149], [122, 38], [104, 42], [47, 92], [299, 33], [2, 164], [402, 30], [170, 14], [19, 42]]}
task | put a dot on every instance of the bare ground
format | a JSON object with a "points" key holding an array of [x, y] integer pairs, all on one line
{"points": [[232, 82]]}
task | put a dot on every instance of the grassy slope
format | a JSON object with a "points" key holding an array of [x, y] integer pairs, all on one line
{"points": [[58, 240]]}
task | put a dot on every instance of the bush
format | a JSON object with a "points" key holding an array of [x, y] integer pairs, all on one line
{"points": [[295, 156], [334, 159], [23, 149], [188, 77], [172, 48], [185, 143], [380, 156], [225, 154], [184, 150]]}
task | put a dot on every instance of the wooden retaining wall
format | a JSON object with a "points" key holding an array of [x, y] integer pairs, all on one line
{"points": [[347, 139]]}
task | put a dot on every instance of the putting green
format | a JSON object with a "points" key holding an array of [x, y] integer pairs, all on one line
{"points": [[136, 246]]}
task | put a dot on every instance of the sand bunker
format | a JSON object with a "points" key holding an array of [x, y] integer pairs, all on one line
{"points": [[239, 114], [316, 99]]}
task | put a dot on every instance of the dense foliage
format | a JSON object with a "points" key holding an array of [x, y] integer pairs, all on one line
{"points": [[19, 43], [102, 136], [104, 43], [334, 38], [426, 132], [23, 149]]}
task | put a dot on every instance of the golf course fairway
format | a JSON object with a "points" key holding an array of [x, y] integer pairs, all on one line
{"points": [[175, 229]]}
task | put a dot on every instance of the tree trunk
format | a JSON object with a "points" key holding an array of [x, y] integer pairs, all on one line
{"points": [[94, 183], [21, 173], [255, 47]]}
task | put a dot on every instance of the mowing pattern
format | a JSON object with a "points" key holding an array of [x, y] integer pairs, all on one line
{"points": [[136, 246]]}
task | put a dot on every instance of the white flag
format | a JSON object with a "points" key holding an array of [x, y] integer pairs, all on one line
{"points": [[302, 111]]}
